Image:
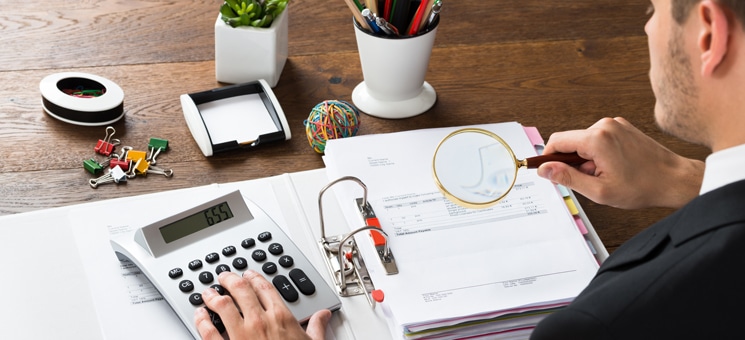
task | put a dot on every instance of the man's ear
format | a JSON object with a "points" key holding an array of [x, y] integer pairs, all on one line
{"points": [[714, 35]]}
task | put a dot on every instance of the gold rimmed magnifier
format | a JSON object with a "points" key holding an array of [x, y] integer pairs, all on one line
{"points": [[475, 168]]}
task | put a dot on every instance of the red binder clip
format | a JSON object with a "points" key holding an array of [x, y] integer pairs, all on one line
{"points": [[106, 146]]}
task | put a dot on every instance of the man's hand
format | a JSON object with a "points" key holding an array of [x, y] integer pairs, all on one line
{"points": [[254, 310], [626, 168]]}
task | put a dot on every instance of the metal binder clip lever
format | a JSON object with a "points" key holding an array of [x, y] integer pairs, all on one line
{"points": [[343, 258]]}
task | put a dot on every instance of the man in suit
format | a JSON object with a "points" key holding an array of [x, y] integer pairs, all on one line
{"points": [[682, 278]]}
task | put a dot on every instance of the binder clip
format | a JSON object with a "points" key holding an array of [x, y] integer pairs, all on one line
{"points": [[155, 147], [106, 145], [120, 160], [342, 256]]}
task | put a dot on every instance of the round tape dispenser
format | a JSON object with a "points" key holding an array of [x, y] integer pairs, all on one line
{"points": [[82, 98]]}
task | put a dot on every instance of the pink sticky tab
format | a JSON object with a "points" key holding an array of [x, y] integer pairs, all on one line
{"points": [[580, 225], [533, 135]]}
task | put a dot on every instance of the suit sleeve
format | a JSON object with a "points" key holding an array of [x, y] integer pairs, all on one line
{"points": [[570, 324]]}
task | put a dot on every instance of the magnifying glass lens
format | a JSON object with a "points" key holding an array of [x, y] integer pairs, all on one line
{"points": [[474, 169]]}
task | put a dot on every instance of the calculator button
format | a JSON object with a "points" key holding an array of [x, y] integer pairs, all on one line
{"points": [[212, 257], [269, 268], [206, 277], [175, 273], [286, 261], [258, 255], [285, 288], [215, 318], [265, 236], [186, 286], [222, 268], [302, 281], [195, 299], [240, 263], [196, 264], [248, 243], [228, 251], [275, 248], [219, 289]]}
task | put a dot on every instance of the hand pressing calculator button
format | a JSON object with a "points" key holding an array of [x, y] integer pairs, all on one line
{"points": [[212, 231]]}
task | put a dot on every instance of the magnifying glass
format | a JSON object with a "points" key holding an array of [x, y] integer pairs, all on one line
{"points": [[475, 168]]}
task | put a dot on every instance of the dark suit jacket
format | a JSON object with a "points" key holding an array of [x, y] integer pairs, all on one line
{"points": [[681, 278]]}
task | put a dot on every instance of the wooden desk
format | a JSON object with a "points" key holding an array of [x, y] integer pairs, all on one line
{"points": [[557, 65]]}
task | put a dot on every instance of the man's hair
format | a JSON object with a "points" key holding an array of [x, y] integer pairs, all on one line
{"points": [[681, 9]]}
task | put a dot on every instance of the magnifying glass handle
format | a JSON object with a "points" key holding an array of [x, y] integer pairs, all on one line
{"points": [[572, 159]]}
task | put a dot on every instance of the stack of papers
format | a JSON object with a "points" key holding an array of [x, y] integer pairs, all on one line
{"points": [[493, 272]]}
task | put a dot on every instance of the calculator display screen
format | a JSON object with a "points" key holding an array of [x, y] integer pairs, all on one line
{"points": [[196, 222]]}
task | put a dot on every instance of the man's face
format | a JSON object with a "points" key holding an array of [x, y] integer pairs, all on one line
{"points": [[671, 75]]}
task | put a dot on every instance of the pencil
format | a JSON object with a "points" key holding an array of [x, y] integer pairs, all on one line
{"points": [[357, 15]]}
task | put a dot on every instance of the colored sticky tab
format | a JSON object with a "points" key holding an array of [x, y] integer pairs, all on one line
{"points": [[378, 238], [563, 190], [533, 135], [580, 224], [570, 204]]}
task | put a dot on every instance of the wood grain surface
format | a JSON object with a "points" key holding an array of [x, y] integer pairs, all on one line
{"points": [[556, 65]]}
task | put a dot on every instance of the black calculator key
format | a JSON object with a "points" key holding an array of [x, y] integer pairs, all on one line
{"points": [[175, 273], [186, 286], [285, 288], [258, 255], [228, 251], [248, 243], [269, 268], [286, 261], [196, 264], [222, 268], [195, 299], [219, 289], [240, 263], [275, 248], [215, 318], [265, 236], [212, 257], [302, 281], [206, 277]]}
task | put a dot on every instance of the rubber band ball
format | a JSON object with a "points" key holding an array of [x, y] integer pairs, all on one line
{"points": [[331, 119]]}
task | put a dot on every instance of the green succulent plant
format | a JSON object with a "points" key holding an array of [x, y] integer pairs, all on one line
{"points": [[256, 13]]}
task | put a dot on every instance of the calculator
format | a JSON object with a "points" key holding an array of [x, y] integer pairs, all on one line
{"points": [[183, 254]]}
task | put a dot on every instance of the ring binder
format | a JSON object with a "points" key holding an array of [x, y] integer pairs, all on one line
{"points": [[342, 256]]}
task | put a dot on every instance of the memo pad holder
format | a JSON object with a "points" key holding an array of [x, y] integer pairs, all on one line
{"points": [[238, 116]]}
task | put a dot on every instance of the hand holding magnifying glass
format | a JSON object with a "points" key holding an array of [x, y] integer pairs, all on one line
{"points": [[476, 168]]}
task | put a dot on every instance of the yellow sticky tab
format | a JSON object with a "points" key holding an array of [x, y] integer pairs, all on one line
{"points": [[570, 204]]}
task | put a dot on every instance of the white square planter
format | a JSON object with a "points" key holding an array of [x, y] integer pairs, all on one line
{"points": [[245, 53]]}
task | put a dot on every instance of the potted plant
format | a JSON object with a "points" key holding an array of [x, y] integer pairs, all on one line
{"points": [[251, 41]]}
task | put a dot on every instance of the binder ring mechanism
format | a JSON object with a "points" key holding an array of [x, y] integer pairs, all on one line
{"points": [[343, 258]]}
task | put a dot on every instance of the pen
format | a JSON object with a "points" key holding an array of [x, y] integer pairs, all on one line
{"points": [[367, 14], [435, 12], [387, 10], [385, 27]]}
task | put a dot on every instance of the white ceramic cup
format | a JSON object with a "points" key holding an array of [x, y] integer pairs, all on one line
{"points": [[393, 69]]}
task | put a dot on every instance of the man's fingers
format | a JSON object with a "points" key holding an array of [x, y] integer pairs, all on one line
{"points": [[316, 328], [265, 291]]}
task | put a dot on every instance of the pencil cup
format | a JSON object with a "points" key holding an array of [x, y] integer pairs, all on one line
{"points": [[393, 69]]}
